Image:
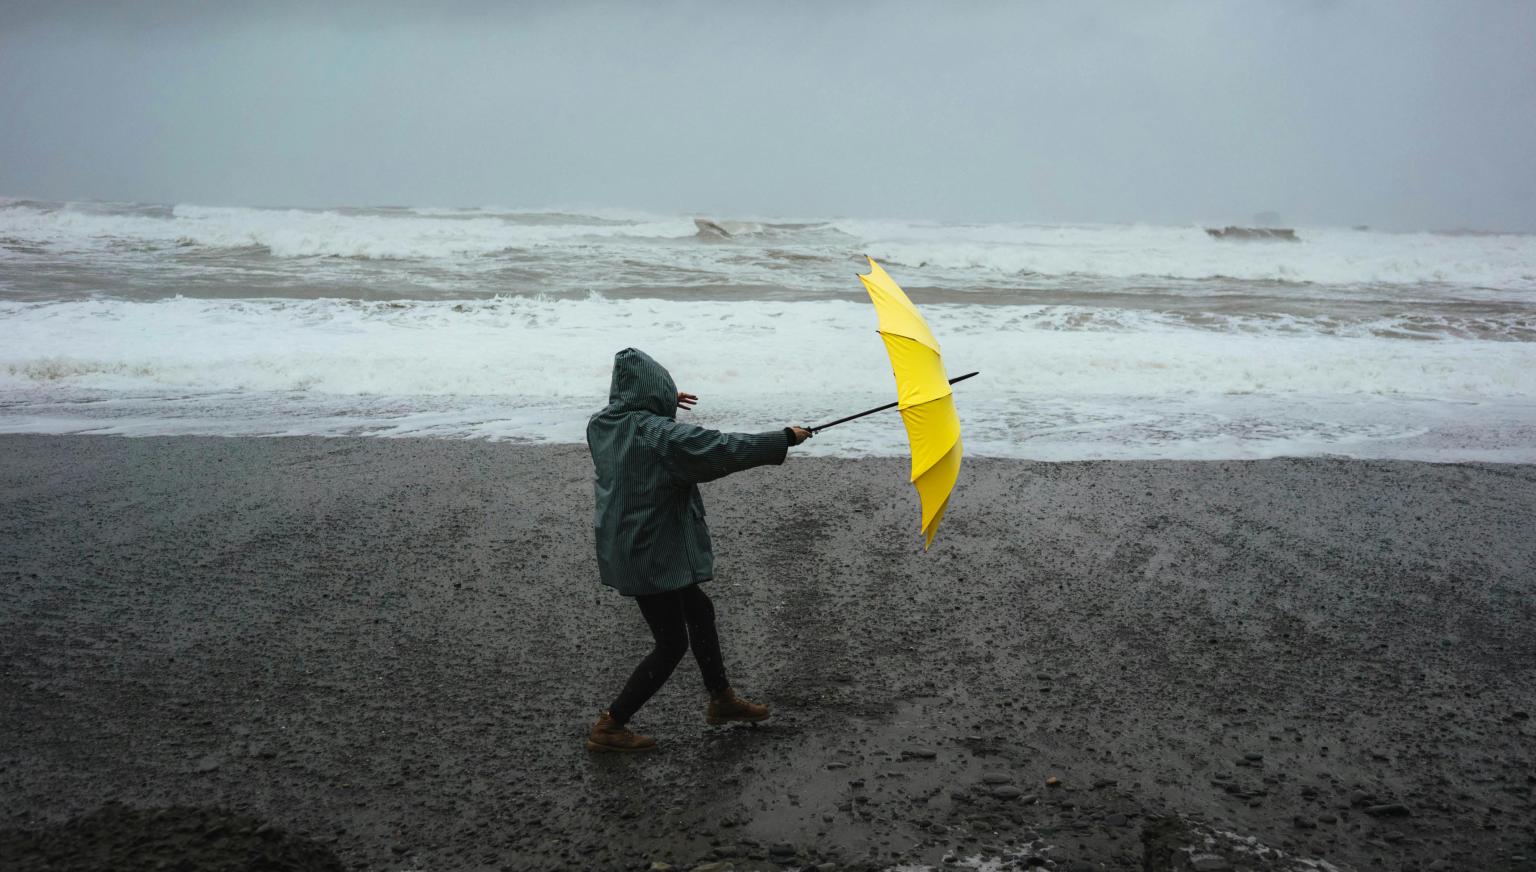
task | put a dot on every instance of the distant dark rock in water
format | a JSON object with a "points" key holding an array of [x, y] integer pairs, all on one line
{"points": [[1269, 233], [1361, 227], [117, 838], [710, 230]]}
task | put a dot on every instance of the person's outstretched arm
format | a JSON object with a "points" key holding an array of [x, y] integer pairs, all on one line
{"points": [[696, 454]]}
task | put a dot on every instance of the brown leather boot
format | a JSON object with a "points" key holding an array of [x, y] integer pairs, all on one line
{"points": [[726, 706], [609, 736]]}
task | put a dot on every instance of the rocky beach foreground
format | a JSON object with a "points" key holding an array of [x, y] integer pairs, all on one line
{"points": [[391, 649]]}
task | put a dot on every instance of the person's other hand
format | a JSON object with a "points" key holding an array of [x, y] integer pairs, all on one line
{"points": [[686, 400], [801, 434]]}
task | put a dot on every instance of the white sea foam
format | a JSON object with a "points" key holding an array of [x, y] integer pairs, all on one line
{"points": [[311, 233], [522, 346], [1325, 256], [620, 247], [1094, 341], [1124, 385]]}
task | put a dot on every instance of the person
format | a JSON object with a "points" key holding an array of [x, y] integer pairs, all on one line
{"points": [[652, 541]]}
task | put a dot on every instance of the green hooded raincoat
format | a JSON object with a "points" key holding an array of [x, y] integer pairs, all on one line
{"points": [[651, 535]]}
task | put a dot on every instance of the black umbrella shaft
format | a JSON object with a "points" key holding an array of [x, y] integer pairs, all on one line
{"points": [[958, 378]]}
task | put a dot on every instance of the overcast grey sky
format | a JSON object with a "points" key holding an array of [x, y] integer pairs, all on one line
{"points": [[1395, 114]]}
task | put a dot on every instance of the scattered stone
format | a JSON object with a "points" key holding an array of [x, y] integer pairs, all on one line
{"points": [[1389, 809], [996, 777], [782, 849], [117, 837], [1053, 781], [1304, 823], [1117, 820], [919, 754], [659, 866], [207, 763], [836, 765], [714, 866], [1209, 863], [1007, 791]]}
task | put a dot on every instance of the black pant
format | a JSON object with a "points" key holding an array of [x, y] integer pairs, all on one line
{"points": [[677, 618]]}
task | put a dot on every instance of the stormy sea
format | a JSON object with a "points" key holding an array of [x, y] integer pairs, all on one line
{"points": [[1113, 341]]}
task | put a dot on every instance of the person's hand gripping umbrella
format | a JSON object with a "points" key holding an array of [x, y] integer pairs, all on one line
{"points": [[923, 394]]}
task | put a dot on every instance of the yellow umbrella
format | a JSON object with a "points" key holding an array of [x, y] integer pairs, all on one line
{"points": [[924, 397]]}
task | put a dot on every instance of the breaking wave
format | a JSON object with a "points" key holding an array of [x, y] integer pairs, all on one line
{"points": [[568, 247], [374, 234], [1057, 382], [532, 347], [1093, 340]]}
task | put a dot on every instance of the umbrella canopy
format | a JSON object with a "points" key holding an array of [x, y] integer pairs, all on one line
{"points": [[923, 395]]}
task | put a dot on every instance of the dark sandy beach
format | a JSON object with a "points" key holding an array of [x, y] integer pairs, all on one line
{"points": [[393, 647]]}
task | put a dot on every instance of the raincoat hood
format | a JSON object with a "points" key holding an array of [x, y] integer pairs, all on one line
{"points": [[640, 384]]}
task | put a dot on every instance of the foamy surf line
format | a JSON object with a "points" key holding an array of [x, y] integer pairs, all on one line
{"points": [[66, 250], [1105, 384]]}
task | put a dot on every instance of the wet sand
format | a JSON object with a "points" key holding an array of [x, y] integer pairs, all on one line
{"points": [[394, 647]]}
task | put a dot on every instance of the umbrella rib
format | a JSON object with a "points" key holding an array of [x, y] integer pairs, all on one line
{"points": [[918, 339]]}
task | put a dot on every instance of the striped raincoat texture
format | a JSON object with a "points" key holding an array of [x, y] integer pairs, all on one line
{"points": [[651, 534]]}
